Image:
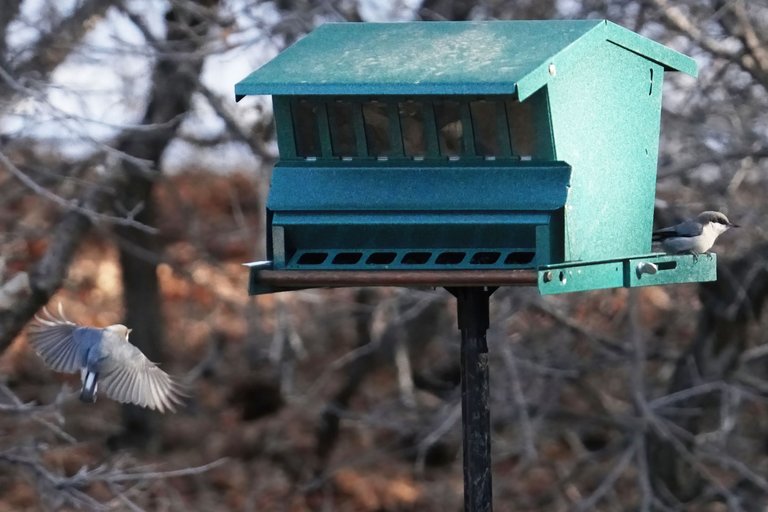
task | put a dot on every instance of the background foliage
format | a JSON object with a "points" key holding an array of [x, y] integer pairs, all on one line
{"points": [[132, 187]]}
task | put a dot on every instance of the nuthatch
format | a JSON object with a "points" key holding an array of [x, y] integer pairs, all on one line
{"points": [[693, 236], [105, 356]]}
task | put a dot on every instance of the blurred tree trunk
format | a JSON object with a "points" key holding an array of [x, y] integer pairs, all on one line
{"points": [[174, 81]]}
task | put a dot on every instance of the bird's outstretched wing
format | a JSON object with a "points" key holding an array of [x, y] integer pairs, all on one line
{"points": [[129, 377], [54, 340], [685, 229]]}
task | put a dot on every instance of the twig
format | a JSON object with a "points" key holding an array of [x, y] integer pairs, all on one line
{"points": [[35, 411], [740, 467], [258, 147], [404, 370], [51, 481], [685, 394], [671, 433], [117, 476], [425, 444], [750, 58], [521, 405], [684, 24], [610, 479], [643, 475], [602, 343], [72, 204]]}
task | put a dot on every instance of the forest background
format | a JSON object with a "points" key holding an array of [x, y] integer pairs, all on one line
{"points": [[132, 189]]}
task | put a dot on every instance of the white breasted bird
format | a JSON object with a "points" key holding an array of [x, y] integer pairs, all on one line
{"points": [[105, 357], [693, 236]]}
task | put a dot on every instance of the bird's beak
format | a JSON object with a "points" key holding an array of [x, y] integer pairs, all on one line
{"points": [[733, 226]]}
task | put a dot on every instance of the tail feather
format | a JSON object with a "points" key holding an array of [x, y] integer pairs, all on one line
{"points": [[663, 234], [90, 385]]}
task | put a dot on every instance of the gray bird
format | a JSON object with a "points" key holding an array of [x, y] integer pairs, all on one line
{"points": [[693, 236], [103, 356]]}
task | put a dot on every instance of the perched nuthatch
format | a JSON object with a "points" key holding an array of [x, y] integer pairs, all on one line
{"points": [[693, 236], [103, 355]]}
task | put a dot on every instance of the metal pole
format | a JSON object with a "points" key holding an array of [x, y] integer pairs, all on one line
{"points": [[472, 308]]}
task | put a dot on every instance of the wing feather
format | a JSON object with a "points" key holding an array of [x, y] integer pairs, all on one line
{"points": [[136, 390], [137, 380], [122, 384], [156, 391], [686, 229], [55, 342]]}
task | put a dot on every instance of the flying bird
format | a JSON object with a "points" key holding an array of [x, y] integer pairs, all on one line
{"points": [[105, 357], [695, 236]]}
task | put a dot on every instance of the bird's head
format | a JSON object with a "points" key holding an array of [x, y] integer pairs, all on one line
{"points": [[716, 220], [120, 330]]}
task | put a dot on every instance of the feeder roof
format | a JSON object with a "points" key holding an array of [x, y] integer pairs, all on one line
{"points": [[445, 58]]}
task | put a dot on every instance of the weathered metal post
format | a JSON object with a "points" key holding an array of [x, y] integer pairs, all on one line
{"points": [[472, 307]]}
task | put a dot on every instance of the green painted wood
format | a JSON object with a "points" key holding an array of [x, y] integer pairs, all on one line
{"points": [[286, 143], [429, 186], [502, 133], [468, 133], [326, 147], [355, 210], [671, 269], [581, 277], [610, 138], [537, 124], [430, 132], [395, 132], [651, 50], [425, 240], [446, 58]]}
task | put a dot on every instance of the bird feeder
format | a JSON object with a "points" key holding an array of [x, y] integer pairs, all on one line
{"points": [[477, 148], [467, 155]]}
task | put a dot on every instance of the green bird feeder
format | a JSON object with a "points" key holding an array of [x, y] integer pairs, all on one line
{"points": [[501, 152], [467, 155]]}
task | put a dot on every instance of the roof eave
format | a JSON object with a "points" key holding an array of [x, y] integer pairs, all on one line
{"points": [[391, 89], [670, 59]]}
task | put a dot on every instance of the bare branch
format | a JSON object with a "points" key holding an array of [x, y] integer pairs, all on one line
{"points": [[119, 475], [750, 38], [747, 59], [677, 19], [68, 488], [72, 205], [610, 479], [254, 141], [603, 344], [453, 415], [684, 167], [53, 47]]}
